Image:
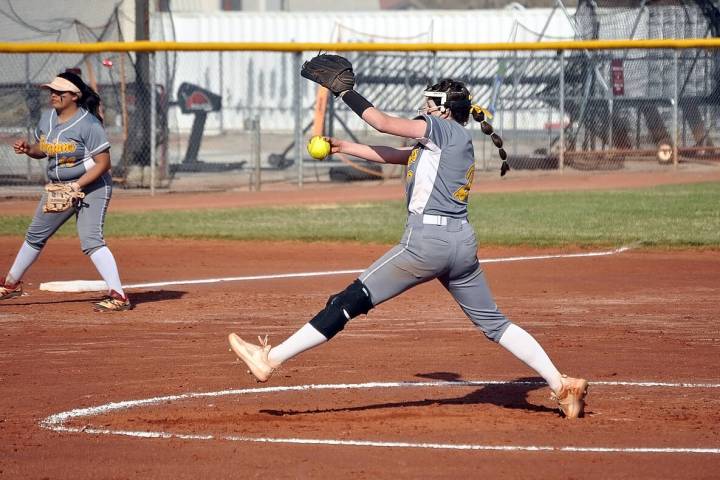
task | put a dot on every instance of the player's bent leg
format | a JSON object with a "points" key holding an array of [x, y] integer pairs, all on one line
{"points": [[473, 295], [262, 360], [90, 221], [44, 225], [568, 392], [395, 272], [398, 270], [471, 292], [521, 344], [340, 308]]}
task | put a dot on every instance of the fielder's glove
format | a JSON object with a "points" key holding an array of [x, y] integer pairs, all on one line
{"points": [[331, 71], [60, 197]]}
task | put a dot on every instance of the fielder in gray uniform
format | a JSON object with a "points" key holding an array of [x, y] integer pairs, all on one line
{"points": [[71, 136], [438, 242]]}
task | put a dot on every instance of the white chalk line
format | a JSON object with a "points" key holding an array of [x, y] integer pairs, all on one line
{"points": [[371, 443], [99, 285], [56, 422]]}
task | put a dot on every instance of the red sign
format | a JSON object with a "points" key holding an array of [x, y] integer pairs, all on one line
{"points": [[618, 77], [198, 101]]}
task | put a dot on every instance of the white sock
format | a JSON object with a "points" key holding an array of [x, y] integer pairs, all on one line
{"points": [[106, 266], [304, 339], [521, 344], [26, 256]]}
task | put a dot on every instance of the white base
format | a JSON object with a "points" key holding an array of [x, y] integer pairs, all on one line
{"points": [[75, 286]]}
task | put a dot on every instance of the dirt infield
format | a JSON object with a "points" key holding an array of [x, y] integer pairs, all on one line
{"points": [[630, 317], [623, 320]]}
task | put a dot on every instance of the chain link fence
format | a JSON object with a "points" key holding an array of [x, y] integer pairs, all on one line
{"points": [[240, 119]]}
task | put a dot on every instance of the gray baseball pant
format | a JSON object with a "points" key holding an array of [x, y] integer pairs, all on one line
{"points": [[443, 248], [90, 215]]}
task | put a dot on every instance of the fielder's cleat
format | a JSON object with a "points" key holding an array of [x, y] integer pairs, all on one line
{"points": [[9, 290], [114, 302], [571, 397], [254, 356]]}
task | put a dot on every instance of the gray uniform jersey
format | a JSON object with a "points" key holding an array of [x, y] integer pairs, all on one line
{"points": [[438, 241], [70, 145], [441, 169]]}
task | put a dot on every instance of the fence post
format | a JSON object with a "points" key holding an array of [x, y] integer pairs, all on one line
{"points": [[516, 81], [29, 126], [611, 113], [256, 144], [221, 87], [297, 57], [153, 127], [561, 155], [676, 93], [434, 67]]}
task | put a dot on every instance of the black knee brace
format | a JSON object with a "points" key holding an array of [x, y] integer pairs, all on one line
{"points": [[341, 307]]}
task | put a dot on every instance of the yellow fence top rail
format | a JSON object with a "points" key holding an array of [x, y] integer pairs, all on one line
{"points": [[147, 46]]}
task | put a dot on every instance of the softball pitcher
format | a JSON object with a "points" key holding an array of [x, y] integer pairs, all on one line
{"points": [[72, 137], [438, 242]]}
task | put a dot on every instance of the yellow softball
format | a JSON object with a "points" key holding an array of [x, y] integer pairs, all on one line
{"points": [[318, 147]]}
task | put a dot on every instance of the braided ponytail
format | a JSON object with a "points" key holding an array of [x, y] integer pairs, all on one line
{"points": [[478, 113], [456, 97]]}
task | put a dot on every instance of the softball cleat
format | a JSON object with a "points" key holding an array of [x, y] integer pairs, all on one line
{"points": [[254, 356], [571, 397], [10, 290], [114, 302]]}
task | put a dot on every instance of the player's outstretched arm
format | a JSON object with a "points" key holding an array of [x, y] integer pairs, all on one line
{"points": [[381, 121], [371, 153], [335, 73]]}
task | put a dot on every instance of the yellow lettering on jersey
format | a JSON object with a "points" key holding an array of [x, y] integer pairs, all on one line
{"points": [[412, 159], [463, 192], [66, 161], [56, 148], [413, 156]]}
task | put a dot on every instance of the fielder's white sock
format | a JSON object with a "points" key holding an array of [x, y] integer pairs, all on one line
{"points": [[521, 344], [26, 256], [304, 339], [107, 268]]}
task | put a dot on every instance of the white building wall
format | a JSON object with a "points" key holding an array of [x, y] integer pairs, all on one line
{"points": [[207, 6], [442, 25], [254, 80]]}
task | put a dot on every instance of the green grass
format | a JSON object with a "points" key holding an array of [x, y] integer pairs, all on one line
{"points": [[668, 216], [684, 215]]}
